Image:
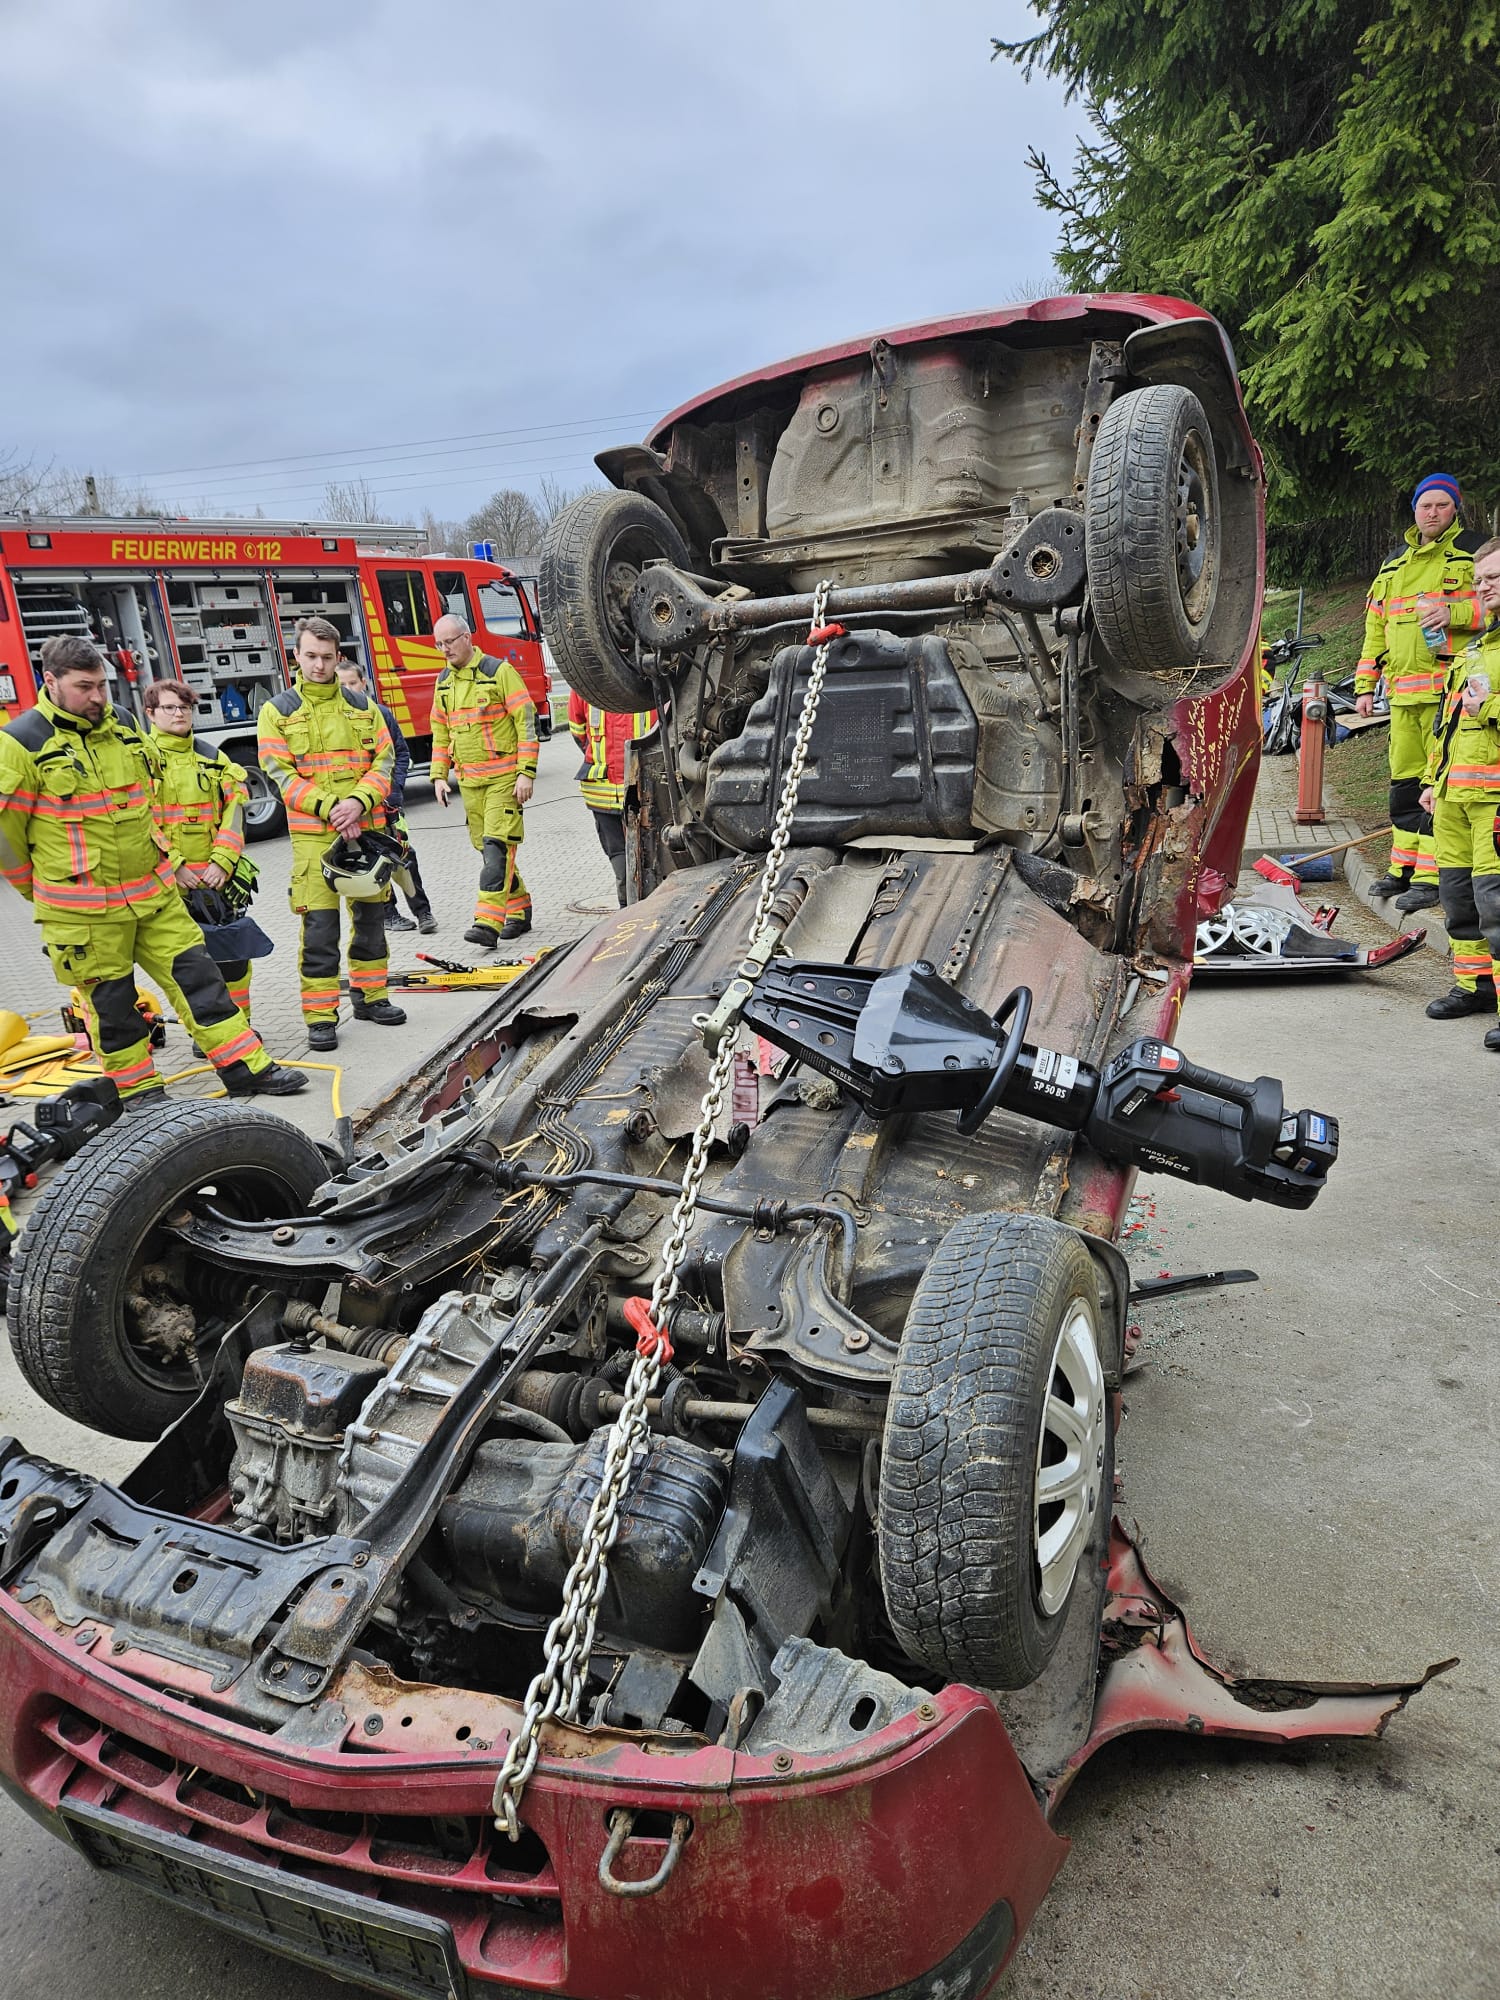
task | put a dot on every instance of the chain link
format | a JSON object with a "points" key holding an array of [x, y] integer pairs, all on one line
{"points": [[558, 1687]]}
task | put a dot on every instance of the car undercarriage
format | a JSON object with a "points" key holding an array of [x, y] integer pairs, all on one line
{"points": [[862, 1559]]}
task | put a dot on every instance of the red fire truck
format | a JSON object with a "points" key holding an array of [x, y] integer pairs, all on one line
{"points": [[216, 603]]}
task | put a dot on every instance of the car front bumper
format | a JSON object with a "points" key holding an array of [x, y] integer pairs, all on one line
{"points": [[906, 1866]]}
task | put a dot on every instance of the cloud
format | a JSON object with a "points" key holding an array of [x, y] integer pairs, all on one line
{"points": [[304, 227]]}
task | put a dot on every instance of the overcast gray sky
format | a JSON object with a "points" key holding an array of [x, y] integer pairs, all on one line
{"points": [[320, 236]]}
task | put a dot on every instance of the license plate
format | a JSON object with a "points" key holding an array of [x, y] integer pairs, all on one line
{"points": [[346, 1936]]}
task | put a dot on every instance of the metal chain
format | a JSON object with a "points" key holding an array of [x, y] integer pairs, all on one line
{"points": [[558, 1687]]}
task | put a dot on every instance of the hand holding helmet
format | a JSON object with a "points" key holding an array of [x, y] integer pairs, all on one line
{"points": [[362, 870]]}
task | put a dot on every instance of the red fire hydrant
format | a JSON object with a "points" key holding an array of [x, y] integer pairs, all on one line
{"points": [[1310, 753]]}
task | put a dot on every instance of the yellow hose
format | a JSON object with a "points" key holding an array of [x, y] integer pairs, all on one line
{"points": [[335, 1070]]}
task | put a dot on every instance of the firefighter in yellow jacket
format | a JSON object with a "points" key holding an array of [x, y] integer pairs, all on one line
{"points": [[603, 736], [1421, 600], [484, 732], [200, 804], [79, 840], [1463, 795], [328, 752]]}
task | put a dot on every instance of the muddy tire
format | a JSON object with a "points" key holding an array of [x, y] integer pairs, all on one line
{"points": [[1152, 514], [594, 551], [95, 1225], [996, 1457]]}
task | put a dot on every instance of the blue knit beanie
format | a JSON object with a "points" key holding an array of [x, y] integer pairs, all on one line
{"points": [[1443, 481]]}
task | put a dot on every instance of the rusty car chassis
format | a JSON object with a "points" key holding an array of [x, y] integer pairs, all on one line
{"points": [[867, 1612]]}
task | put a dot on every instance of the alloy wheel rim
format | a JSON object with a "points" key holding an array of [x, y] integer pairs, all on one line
{"points": [[1069, 1458]]}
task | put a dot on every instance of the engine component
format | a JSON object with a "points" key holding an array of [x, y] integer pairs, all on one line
{"points": [[289, 1420], [516, 1523], [455, 1335], [906, 1041]]}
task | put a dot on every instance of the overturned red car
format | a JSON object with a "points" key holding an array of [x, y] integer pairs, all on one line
{"points": [[951, 634]]}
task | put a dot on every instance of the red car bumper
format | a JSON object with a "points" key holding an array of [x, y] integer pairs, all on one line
{"points": [[908, 1867]]}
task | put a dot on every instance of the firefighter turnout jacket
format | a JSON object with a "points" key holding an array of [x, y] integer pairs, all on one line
{"points": [[200, 805], [602, 735], [200, 799], [320, 743], [78, 828], [483, 726], [1394, 643], [1465, 760]]}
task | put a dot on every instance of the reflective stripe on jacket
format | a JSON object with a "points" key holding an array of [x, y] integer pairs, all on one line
{"points": [[320, 743], [200, 799], [1394, 643], [1465, 758], [602, 735], [483, 723], [78, 833]]}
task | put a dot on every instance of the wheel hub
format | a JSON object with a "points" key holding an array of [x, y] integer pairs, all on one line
{"points": [[1194, 528]]}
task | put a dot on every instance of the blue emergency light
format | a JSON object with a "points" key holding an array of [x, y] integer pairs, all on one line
{"points": [[482, 551]]}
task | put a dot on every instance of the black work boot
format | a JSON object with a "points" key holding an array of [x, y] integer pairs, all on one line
{"points": [[481, 934], [394, 921], [426, 922], [384, 1013], [1420, 896], [1389, 885], [242, 1081], [513, 928], [144, 1099], [1461, 1000], [1492, 1039], [322, 1035]]}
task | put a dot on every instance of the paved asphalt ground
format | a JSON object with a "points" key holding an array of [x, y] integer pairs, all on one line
{"points": [[1312, 1463]]}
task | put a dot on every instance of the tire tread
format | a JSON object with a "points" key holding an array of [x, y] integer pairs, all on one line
{"points": [[52, 1287], [1131, 503], [960, 1442]]}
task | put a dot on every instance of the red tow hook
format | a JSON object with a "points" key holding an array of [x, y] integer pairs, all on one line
{"points": [[821, 634], [651, 1341]]}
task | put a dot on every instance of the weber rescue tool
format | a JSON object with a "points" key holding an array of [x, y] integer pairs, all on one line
{"points": [[450, 977], [906, 1041]]}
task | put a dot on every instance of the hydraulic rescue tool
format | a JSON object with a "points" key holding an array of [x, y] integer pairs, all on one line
{"points": [[907, 1041]]}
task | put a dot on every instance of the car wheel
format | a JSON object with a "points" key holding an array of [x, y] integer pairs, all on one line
{"points": [[1153, 528], [997, 1452], [265, 815], [593, 554], [97, 1295]]}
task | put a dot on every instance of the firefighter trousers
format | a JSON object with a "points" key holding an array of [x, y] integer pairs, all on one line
{"points": [[419, 902], [319, 907], [1469, 884], [237, 979], [1412, 852], [494, 821], [99, 955], [610, 828]]}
